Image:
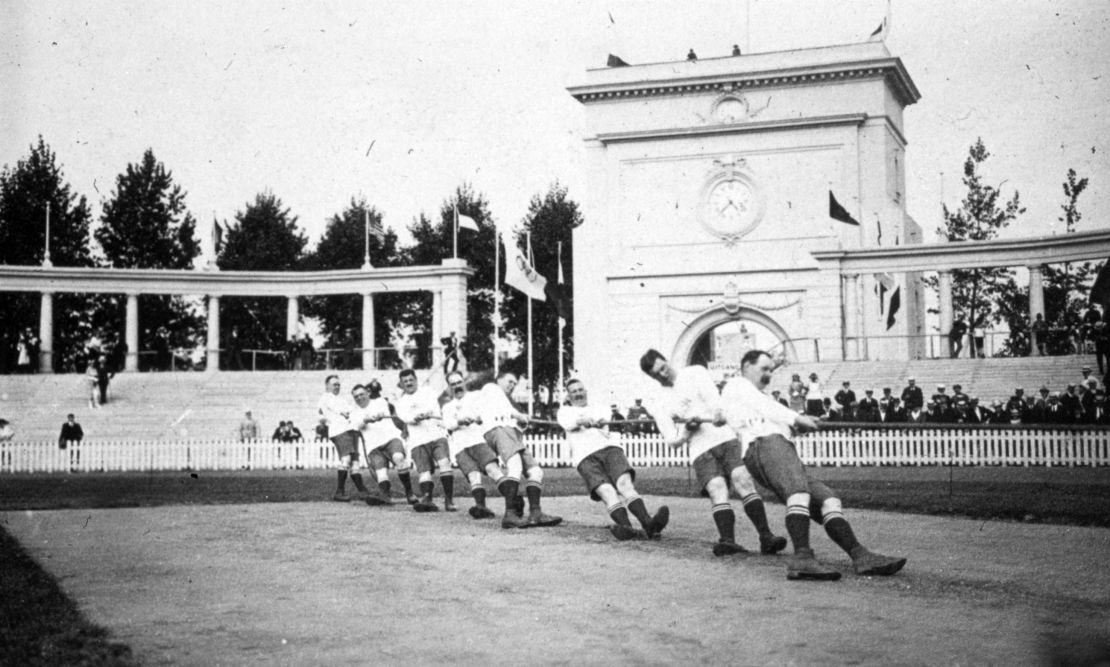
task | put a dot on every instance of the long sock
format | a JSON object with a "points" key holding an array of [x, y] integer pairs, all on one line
{"points": [[757, 514], [385, 487], [797, 525], [533, 490], [639, 510], [479, 494], [725, 519], [508, 488], [840, 531], [341, 481], [406, 481], [447, 481], [619, 514], [426, 489], [357, 479]]}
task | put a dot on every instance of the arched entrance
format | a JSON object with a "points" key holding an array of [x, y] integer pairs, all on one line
{"points": [[718, 339]]}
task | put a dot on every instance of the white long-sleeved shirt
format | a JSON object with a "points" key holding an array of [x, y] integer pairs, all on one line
{"points": [[585, 440], [693, 395], [494, 408], [753, 414], [420, 402], [469, 435], [335, 409], [380, 429]]}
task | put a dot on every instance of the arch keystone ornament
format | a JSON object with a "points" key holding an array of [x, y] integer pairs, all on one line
{"points": [[731, 203], [732, 299]]}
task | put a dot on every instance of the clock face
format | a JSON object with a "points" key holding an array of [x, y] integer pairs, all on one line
{"points": [[731, 205], [731, 202]]}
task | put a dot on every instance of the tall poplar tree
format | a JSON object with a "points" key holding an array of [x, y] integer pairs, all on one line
{"points": [[146, 225], [26, 190]]}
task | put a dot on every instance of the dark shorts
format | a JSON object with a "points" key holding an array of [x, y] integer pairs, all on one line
{"points": [[475, 458], [426, 455], [505, 441], [382, 456], [346, 444], [604, 467], [773, 462], [719, 461]]}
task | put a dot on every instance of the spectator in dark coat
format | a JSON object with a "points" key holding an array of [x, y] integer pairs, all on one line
{"points": [[912, 397], [868, 407], [71, 432]]}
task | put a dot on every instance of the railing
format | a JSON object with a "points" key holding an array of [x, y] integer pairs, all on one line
{"points": [[1058, 342], [839, 446]]}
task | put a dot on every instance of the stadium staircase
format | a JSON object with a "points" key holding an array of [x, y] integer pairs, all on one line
{"points": [[203, 406], [172, 406]]}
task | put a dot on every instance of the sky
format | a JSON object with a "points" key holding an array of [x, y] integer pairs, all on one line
{"points": [[402, 102]]}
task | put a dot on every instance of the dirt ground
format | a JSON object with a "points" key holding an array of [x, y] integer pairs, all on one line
{"points": [[336, 584]]}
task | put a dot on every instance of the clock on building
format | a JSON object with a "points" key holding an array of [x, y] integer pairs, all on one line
{"points": [[731, 204]]}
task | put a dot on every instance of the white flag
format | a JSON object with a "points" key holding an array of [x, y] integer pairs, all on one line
{"points": [[519, 272], [467, 222]]}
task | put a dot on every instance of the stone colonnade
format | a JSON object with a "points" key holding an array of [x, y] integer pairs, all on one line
{"points": [[447, 283]]}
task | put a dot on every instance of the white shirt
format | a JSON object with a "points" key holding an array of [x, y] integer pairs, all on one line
{"points": [[494, 408], [420, 402], [335, 410], [463, 436], [753, 414], [585, 440], [693, 395], [380, 428], [814, 391]]}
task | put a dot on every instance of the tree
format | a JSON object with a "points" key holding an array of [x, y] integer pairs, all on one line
{"points": [[1065, 285], [145, 225], [976, 293], [264, 237], [343, 246], [550, 220], [25, 192], [433, 242]]}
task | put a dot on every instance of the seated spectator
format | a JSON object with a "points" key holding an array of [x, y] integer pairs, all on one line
{"points": [[999, 415], [828, 412], [942, 398], [638, 413], [891, 412], [936, 412], [1017, 402], [277, 436], [1098, 414], [1072, 404], [915, 415], [961, 413], [868, 408], [321, 432], [958, 394], [293, 433], [616, 416], [1087, 397], [777, 395], [980, 414], [1055, 412]]}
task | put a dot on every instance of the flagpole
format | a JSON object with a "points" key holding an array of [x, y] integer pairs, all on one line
{"points": [[531, 387], [366, 240], [496, 296], [46, 258], [559, 315], [456, 229]]}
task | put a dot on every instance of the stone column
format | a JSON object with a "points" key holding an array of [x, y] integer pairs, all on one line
{"points": [[369, 361], [944, 304], [437, 328], [1036, 301], [131, 363], [46, 333], [292, 318], [213, 343], [851, 317]]}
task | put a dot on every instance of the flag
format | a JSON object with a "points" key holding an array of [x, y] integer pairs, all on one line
{"points": [[519, 272], [1100, 290], [615, 61], [837, 212], [558, 292], [883, 31], [465, 221], [374, 228], [884, 283], [895, 304], [217, 236]]}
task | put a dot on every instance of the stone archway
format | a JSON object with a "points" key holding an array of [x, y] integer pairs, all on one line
{"points": [[687, 343]]}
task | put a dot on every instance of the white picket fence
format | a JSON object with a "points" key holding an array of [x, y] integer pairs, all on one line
{"points": [[845, 447]]}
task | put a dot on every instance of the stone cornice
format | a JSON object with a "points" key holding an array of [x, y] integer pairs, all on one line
{"points": [[748, 72], [735, 128], [232, 283], [1030, 251]]}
